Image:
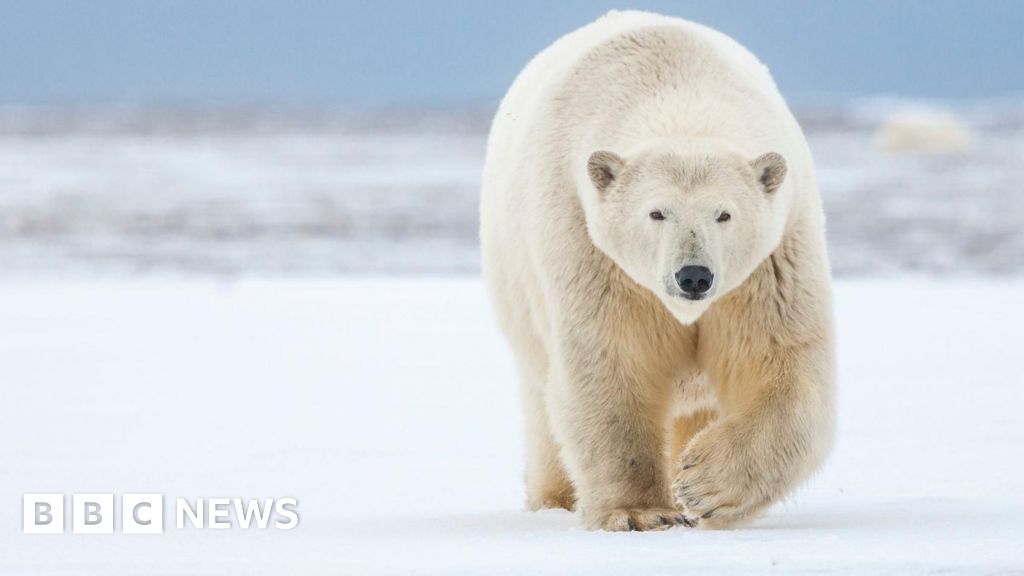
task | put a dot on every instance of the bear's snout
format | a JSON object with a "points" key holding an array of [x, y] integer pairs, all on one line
{"points": [[694, 281]]}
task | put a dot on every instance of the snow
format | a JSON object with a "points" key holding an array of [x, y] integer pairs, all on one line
{"points": [[924, 130], [388, 407]]}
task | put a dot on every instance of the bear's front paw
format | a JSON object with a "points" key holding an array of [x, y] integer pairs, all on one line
{"points": [[718, 483], [639, 519]]}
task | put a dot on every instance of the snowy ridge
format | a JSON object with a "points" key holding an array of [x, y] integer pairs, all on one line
{"points": [[315, 192]]}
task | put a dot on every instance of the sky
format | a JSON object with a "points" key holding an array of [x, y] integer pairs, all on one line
{"points": [[456, 52]]}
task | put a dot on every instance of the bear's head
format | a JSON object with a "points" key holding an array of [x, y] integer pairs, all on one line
{"points": [[688, 221]]}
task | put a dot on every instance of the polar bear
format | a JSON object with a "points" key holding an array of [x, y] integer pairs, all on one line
{"points": [[653, 241]]}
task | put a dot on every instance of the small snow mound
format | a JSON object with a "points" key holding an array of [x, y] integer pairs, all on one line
{"points": [[924, 130]]}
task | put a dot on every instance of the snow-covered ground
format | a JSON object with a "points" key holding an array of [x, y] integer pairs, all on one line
{"points": [[389, 409]]}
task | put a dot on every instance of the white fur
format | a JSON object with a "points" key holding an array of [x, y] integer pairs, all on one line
{"points": [[627, 385]]}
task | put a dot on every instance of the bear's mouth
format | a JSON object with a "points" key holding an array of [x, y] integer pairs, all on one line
{"points": [[693, 297]]}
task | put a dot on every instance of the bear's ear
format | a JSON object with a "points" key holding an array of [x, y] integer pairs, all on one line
{"points": [[770, 170], [604, 167]]}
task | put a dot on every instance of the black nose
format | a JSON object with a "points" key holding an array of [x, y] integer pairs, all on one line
{"points": [[694, 280]]}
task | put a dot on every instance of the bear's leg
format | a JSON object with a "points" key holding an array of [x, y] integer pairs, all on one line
{"points": [[547, 484], [609, 418], [765, 444], [684, 428]]}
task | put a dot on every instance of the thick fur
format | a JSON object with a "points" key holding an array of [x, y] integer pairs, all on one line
{"points": [[644, 409]]}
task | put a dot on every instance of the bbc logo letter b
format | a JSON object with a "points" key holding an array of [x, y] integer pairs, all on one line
{"points": [[92, 513], [43, 513]]}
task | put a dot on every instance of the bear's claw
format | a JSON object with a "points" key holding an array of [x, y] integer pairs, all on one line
{"points": [[639, 520]]}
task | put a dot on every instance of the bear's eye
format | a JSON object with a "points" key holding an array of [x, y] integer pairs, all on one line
{"points": [[724, 217], [657, 215]]}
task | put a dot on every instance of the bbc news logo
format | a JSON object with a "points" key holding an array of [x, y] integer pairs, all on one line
{"points": [[144, 513]]}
